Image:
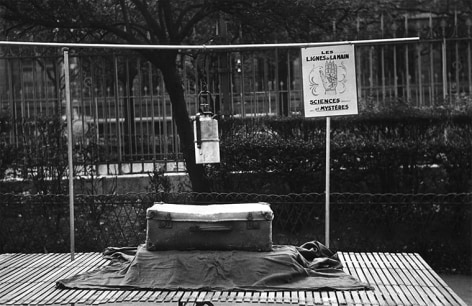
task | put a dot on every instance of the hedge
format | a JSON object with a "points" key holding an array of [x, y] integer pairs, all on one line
{"points": [[413, 153]]}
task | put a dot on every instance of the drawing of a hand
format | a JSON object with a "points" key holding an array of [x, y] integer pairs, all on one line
{"points": [[329, 77]]}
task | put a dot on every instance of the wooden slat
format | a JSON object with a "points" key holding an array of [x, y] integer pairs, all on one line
{"points": [[317, 298], [398, 279], [200, 296], [247, 296], [224, 295], [364, 297], [99, 298], [374, 270], [147, 296], [263, 297], [177, 296], [438, 283], [301, 298], [408, 285], [397, 283], [369, 272], [12, 259], [216, 296], [86, 296], [232, 296], [167, 296], [373, 279], [140, 295], [239, 297], [129, 296], [256, 297], [294, 297], [156, 296], [423, 280], [324, 297], [34, 294], [341, 297], [446, 291], [309, 298], [279, 299], [185, 296], [114, 298]]}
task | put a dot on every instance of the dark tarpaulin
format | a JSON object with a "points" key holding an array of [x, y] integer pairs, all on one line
{"points": [[311, 266]]}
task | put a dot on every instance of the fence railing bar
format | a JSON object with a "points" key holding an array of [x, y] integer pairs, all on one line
{"points": [[210, 47]]}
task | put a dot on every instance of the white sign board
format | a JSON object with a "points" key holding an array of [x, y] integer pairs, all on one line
{"points": [[329, 81]]}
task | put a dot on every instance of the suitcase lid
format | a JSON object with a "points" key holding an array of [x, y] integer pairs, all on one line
{"points": [[211, 213]]}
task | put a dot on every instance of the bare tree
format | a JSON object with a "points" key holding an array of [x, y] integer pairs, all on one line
{"points": [[173, 22]]}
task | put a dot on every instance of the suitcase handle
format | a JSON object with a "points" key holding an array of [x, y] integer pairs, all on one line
{"points": [[211, 228]]}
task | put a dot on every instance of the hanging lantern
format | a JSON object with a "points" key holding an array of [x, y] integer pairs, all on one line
{"points": [[205, 130]]}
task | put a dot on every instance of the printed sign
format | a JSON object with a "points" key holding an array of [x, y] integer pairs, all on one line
{"points": [[329, 81]]}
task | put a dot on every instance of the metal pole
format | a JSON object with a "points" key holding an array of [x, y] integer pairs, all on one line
{"points": [[210, 47], [327, 171], [443, 25], [444, 70], [69, 153]]}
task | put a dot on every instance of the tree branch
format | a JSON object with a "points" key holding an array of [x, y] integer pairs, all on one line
{"points": [[154, 26], [124, 10], [199, 16], [167, 19], [162, 22]]}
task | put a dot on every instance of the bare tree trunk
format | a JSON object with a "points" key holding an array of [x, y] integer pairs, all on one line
{"points": [[173, 83]]}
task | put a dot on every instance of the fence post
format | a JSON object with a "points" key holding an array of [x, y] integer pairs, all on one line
{"points": [[224, 58], [327, 186], [69, 153], [444, 59]]}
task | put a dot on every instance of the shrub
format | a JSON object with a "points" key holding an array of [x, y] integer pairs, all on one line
{"points": [[413, 153]]}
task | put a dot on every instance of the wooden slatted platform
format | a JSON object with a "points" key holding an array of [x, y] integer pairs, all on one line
{"points": [[398, 278]]}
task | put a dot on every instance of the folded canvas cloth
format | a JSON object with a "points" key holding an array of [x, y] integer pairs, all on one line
{"points": [[311, 266]]}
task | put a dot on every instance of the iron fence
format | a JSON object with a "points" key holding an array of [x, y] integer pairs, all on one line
{"points": [[120, 102], [435, 225]]}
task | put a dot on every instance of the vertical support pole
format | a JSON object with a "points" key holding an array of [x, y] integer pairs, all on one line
{"points": [[287, 105], [117, 112], [382, 67], [407, 66], [358, 74], [444, 69], [457, 62], [382, 61], [444, 59], [327, 179], [69, 153], [276, 86], [432, 89], [242, 89], [265, 88], [225, 71], [420, 71], [372, 92], [395, 74], [469, 63], [153, 112]]}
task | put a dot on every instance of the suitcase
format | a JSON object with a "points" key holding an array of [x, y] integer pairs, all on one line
{"points": [[209, 227]]}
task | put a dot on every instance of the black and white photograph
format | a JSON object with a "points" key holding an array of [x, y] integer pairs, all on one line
{"points": [[236, 152]]}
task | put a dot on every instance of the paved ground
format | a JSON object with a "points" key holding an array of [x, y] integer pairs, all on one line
{"points": [[461, 284]]}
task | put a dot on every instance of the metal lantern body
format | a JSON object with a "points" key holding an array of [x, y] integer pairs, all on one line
{"points": [[207, 142]]}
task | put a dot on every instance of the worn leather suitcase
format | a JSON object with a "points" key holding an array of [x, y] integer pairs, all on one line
{"points": [[209, 227]]}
